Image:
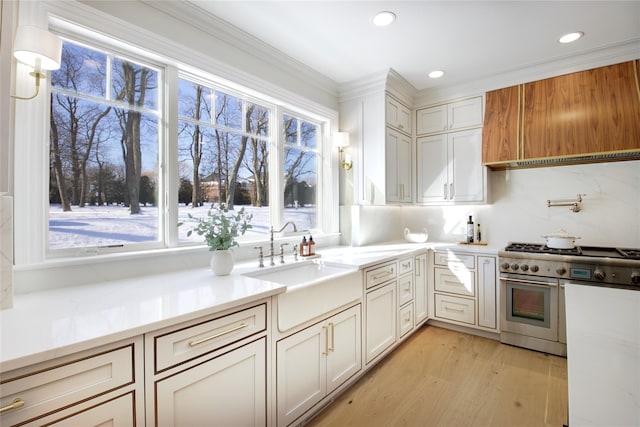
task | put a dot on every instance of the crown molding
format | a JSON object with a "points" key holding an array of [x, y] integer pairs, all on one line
{"points": [[193, 15], [606, 55]]}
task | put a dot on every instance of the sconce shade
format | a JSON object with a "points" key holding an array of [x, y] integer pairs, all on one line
{"points": [[38, 48], [341, 139]]}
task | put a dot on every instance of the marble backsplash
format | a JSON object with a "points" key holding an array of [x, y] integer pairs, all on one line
{"points": [[517, 209], [6, 251]]}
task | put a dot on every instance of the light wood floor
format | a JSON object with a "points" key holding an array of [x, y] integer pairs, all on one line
{"points": [[445, 378]]}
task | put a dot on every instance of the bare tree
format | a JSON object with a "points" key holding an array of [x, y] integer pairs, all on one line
{"points": [[135, 82], [57, 161], [196, 151]]}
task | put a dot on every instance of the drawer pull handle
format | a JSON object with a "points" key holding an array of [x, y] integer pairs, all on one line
{"points": [[458, 310], [17, 403], [212, 337], [385, 274], [406, 265]]}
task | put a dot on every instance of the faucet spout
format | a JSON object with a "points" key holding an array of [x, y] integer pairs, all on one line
{"points": [[271, 251], [295, 229]]}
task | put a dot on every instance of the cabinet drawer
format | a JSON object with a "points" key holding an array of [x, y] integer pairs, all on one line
{"points": [[185, 344], [405, 266], [381, 274], [405, 289], [455, 308], [50, 389], [456, 280], [452, 258], [406, 319]]}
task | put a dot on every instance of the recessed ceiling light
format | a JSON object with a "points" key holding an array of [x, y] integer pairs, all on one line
{"points": [[571, 37], [436, 74], [382, 19]]}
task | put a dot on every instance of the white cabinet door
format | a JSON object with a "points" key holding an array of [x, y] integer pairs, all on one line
{"points": [[398, 115], [301, 372], [465, 114], [487, 292], [381, 315], [467, 175], [345, 355], [432, 168], [431, 120], [420, 284], [315, 361], [450, 168], [227, 390], [398, 167], [449, 117]]}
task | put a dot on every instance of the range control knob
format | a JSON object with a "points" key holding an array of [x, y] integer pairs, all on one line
{"points": [[535, 268], [505, 265], [635, 278], [599, 274], [561, 271], [514, 266], [524, 267]]}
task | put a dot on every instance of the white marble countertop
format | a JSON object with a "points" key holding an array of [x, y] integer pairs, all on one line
{"points": [[48, 324], [56, 322]]}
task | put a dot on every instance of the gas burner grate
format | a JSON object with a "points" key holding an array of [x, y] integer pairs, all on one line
{"points": [[631, 253], [540, 248]]}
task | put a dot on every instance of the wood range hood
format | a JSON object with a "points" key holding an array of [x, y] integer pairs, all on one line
{"points": [[585, 117]]}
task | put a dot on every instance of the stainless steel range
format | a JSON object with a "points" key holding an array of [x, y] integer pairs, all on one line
{"points": [[532, 280]]}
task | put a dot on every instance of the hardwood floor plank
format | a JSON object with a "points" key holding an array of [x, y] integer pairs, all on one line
{"points": [[440, 377]]}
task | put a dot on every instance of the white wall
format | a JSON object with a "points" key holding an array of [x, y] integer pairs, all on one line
{"points": [[518, 211]]}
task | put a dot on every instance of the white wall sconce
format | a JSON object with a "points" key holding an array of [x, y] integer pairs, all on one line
{"points": [[341, 140], [40, 50]]}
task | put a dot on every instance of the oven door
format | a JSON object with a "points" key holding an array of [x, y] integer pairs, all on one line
{"points": [[530, 307]]}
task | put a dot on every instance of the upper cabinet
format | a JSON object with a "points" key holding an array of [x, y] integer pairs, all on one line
{"points": [[398, 115], [449, 168], [449, 153], [569, 118], [449, 117], [379, 119]]}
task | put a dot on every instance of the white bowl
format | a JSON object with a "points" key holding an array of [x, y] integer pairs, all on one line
{"points": [[416, 237]]}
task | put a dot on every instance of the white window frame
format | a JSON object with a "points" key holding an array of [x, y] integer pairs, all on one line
{"points": [[31, 230]]}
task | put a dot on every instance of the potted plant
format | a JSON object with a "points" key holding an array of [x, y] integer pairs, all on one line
{"points": [[220, 228]]}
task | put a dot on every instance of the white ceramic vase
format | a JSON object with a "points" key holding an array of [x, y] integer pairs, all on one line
{"points": [[221, 262]]}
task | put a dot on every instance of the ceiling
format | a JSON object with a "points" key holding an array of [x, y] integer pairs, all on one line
{"points": [[469, 40]]}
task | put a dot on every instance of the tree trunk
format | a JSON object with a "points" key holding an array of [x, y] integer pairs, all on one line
{"points": [[196, 153], [57, 162]]}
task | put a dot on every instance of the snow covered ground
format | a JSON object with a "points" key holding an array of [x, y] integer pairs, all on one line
{"points": [[93, 226]]}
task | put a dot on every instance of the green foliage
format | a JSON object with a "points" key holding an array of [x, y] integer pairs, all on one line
{"points": [[221, 226]]}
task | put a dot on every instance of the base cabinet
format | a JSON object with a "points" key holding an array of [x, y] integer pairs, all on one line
{"points": [[315, 361], [210, 371], [381, 316], [226, 390], [465, 289], [421, 293], [102, 386]]}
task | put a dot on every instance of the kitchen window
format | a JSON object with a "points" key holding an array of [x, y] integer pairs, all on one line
{"points": [[224, 142], [129, 134]]}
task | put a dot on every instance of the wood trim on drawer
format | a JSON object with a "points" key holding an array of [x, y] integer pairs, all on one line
{"points": [[381, 274], [54, 388], [185, 344], [455, 281], [405, 266], [455, 308], [452, 258]]}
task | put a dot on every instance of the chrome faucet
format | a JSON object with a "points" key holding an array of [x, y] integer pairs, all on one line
{"points": [[271, 251]]}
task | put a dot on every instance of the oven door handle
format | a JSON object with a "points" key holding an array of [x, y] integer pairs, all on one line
{"points": [[531, 282]]}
